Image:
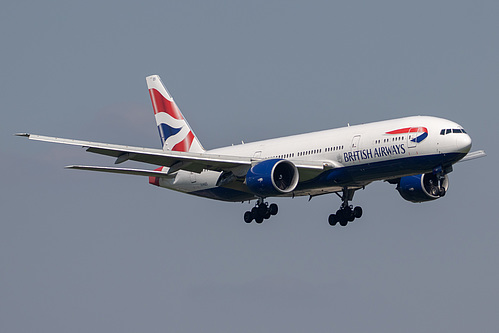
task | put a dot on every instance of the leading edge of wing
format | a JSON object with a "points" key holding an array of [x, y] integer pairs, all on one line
{"points": [[195, 162]]}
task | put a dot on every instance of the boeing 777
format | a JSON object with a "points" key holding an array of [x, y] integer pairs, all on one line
{"points": [[414, 153]]}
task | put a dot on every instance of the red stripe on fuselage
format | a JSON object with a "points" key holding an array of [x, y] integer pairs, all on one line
{"points": [[409, 130], [161, 104]]}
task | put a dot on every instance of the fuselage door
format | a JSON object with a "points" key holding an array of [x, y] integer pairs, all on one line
{"points": [[355, 142]]}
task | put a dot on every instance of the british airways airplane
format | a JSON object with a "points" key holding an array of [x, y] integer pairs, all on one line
{"points": [[413, 153]]}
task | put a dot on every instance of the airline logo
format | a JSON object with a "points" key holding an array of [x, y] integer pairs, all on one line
{"points": [[421, 133], [173, 130]]}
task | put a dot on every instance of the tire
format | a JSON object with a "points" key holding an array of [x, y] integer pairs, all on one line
{"points": [[340, 214], [262, 210], [343, 222], [357, 212], [332, 220], [254, 212], [273, 209], [259, 219], [248, 217]]}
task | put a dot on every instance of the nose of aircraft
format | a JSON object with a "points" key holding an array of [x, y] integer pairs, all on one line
{"points": [[463, 143]]}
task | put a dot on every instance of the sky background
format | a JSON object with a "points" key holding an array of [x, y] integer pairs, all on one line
{"points": [[90, 252]]}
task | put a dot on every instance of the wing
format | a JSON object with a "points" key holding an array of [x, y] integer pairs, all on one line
{"points": [[124, 171], [473, 155], [175, 161]]}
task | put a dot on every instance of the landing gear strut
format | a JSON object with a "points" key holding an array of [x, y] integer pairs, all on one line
{"points": [[260, 212], [346, 213], [438, 189]]}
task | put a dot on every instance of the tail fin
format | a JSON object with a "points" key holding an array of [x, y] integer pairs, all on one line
{"points": [[175, 132]]}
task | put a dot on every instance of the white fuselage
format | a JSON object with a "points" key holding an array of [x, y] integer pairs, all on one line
{"points": [[364, 153]]}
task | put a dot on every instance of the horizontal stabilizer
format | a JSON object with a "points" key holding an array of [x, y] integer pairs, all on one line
{"points": [[136, 172]]}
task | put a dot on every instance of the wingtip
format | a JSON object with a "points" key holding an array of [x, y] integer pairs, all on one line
{"points": [[23, 134]]}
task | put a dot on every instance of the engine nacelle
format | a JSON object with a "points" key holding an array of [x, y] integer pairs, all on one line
{"points": [[422, 188], [272, 177]]}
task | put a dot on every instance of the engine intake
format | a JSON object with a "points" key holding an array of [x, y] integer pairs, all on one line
{"points": [[422, 188], [272, 177]]}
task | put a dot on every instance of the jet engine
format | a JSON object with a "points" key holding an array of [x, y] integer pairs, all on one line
{"points": [[425, 187], [272, 177]]}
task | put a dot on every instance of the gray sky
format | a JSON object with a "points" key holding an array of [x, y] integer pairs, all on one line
{"points": [[87, 252]]}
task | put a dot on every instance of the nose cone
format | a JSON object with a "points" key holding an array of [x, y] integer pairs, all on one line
{"points": [[463, 143]]}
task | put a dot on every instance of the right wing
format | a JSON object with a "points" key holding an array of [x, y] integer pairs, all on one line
{"points": [[473, 155]]}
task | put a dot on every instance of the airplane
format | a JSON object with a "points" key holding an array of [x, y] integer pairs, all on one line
{"points": [[414, 153]]}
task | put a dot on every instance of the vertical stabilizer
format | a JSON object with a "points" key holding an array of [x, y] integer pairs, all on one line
{"points": [[174, 131]]}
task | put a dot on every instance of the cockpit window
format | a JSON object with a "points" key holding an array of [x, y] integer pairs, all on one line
{"points": [[452, 130]]}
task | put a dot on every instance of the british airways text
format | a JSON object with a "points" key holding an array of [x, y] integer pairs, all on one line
{"points": [[366, 154]]}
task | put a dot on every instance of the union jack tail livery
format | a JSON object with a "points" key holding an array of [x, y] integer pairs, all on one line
{"points": [[174, 131]]}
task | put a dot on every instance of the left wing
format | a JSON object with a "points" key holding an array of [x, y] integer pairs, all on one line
{"points": [[195, 162], [124, 171], [174, 160]]}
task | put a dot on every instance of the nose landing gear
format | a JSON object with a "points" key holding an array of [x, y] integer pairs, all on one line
{"points": [[346, 213], [261, 211]]}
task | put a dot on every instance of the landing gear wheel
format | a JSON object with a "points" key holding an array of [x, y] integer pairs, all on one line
{"points": [[273, 209], [357, 212], [346, 213], [332, 220], [349, 215], [261, 211], [248, 217]]}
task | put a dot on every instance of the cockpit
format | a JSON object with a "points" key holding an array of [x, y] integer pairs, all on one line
{"points": [[452, 130]]}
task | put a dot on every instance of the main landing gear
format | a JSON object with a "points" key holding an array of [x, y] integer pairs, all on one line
{"points": [[346, 213], [260, 212]]}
